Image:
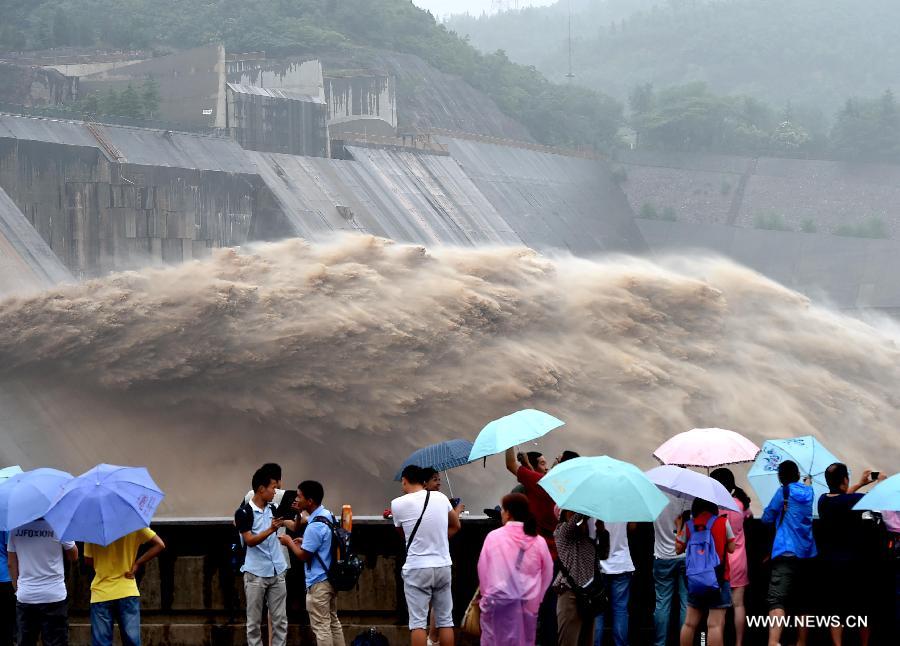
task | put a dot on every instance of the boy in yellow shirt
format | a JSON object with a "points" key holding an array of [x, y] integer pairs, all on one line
{"points": [[114, 591]]}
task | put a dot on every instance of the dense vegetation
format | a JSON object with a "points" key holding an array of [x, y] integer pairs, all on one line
{"points": [[557, 115], [789, 67], [691, 118]]}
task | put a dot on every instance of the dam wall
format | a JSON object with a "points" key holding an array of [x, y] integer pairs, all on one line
{"points": [[26, 262], [551, 201], [108, 198], [726, 189]]}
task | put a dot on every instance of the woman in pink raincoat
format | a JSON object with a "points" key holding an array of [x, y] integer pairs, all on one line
{"points": [[514, 571]]}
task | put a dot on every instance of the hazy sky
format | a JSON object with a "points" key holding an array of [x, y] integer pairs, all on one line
{"points": [[444, 7]]}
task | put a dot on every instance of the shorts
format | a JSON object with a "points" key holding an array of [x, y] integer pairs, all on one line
{"points": [[788, 584], [428, 585], [712, 600]]}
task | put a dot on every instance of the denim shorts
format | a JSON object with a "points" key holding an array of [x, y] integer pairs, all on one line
{"points": [[428, 585], [712, 600]]}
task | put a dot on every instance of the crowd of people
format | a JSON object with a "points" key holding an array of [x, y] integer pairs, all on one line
{"points": [[546, 575], [700, 558]]}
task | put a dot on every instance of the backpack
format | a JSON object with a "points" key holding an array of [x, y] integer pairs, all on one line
{"points": [[237, 549], [346, 566], [701, 560], [370, 637], [243, 521]]}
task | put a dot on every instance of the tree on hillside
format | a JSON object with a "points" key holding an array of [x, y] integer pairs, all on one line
{"points": [[150, 97], [868, 130]]}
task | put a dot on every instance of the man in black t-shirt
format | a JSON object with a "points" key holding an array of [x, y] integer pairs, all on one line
{"points": [[840, 539]]}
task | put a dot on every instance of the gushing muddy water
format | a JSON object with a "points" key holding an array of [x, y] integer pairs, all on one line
{"points": [[339, 359]]}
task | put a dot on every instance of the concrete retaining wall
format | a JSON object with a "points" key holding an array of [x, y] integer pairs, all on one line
{"points": [[707, 189], [93, 196]]}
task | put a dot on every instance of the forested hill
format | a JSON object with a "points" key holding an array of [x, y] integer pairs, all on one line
{"points": [[815, 53], [557, 115]]}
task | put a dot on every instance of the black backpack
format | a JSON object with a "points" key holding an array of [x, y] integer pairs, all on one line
{"points": [[370, 637], [243, 521], [346, 566], [237, 549]]}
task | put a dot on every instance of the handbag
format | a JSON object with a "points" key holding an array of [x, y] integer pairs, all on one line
{"points": [[471, 621], [592, 599]]}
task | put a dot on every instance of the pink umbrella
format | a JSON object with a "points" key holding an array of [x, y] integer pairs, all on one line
{"points": [[706, 447]]}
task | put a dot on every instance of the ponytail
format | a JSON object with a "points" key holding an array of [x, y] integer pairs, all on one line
{"points": [[741, 495]]}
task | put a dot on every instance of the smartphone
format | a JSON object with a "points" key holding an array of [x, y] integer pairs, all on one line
{"points": [[874, 476], [454, 502]]}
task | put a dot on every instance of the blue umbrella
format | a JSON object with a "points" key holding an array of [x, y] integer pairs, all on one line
{"points": [[604, 488], [440, 457], [811, 457], [512, 430], [104, 504], [27, 496], [685, 483], [884, 497], [8, 472]]}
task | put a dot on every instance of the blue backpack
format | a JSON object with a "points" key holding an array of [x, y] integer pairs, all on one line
{"points": [[701, 560]]}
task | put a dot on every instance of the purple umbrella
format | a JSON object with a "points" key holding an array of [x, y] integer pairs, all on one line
{"points": [[682, 483]]}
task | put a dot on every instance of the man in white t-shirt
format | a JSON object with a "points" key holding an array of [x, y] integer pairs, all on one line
{"points": [[426, 520], [39, 579], [618, 569]]}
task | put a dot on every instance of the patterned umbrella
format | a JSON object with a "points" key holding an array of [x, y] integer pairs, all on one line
{"points": [[440, 457], [811, 457]]}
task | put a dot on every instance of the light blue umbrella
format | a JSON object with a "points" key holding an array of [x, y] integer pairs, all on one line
{"points": [[884, 497], [104, 504], [8, 472], [811, 457], [512, 430], [604, 488], [685, 483], [27, 496]]}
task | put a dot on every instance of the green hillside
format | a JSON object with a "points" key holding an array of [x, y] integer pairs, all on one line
{"points": [[554, 115], [812, 53]]}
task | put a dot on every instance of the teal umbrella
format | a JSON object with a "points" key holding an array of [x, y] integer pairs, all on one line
{"points": [[811, 457], [512, 430], [884, 497], [604, 488]]}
